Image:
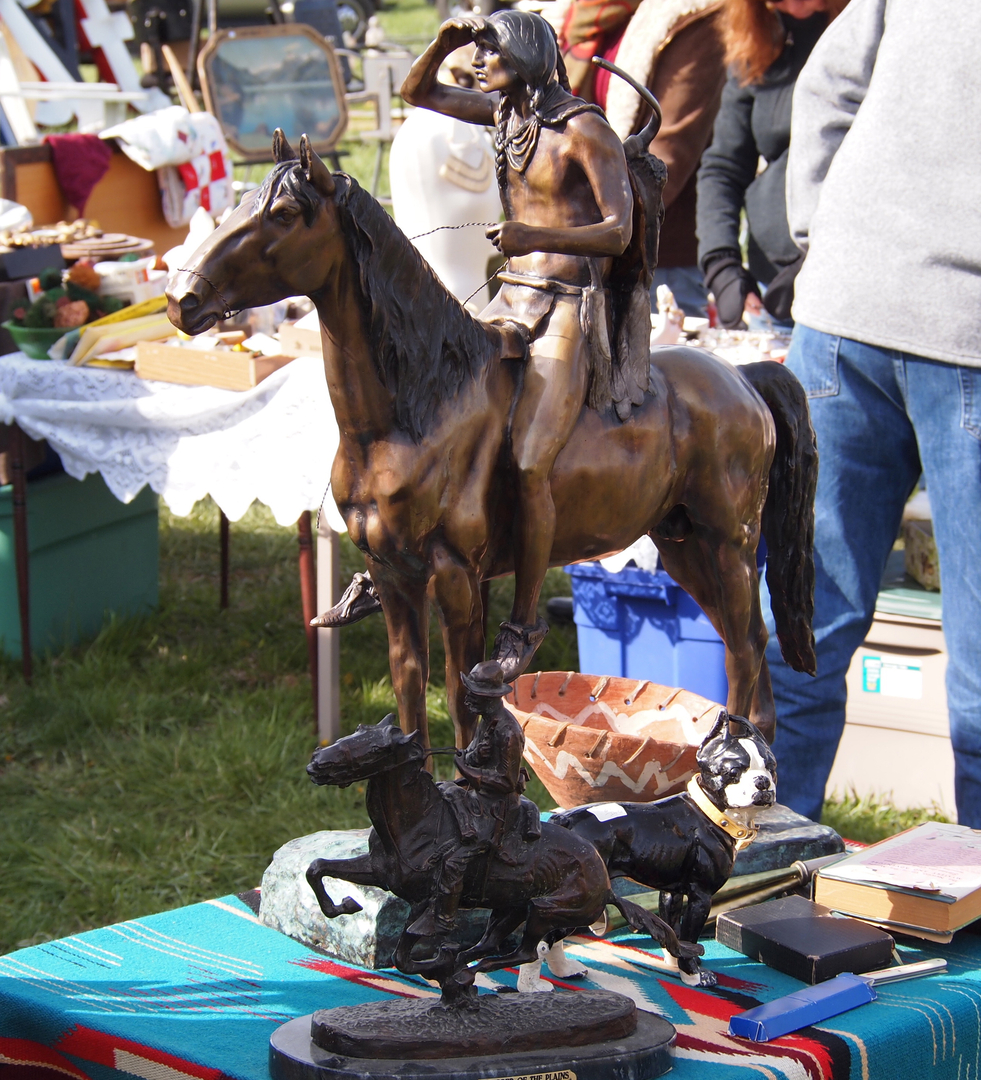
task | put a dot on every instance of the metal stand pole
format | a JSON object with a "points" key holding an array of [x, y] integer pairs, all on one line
{"points": [[328, 641], [308, 592], [195, 43]]}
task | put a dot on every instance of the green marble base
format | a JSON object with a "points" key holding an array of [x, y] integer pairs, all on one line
{"points": [[369, 936]]}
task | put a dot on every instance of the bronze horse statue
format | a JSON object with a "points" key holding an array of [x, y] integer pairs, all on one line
{"points": [[559, 883], [422, 394]]}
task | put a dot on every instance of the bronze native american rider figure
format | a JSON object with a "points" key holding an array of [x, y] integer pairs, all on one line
{"points": [[570, 214]]}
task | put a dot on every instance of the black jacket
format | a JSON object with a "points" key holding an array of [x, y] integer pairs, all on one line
{"points": [[754, 122]]}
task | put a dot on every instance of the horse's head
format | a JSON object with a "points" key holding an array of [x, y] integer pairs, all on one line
{"points": [[367, 752], [273, 246]]}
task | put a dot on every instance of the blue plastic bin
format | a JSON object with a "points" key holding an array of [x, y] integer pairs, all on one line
{"points": [[643, 625]]}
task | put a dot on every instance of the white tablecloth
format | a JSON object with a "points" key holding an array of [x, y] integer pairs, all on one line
{"points": [[274, 443]]}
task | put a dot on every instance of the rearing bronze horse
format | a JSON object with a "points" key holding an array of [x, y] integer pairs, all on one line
{"points": [[422, 394]]}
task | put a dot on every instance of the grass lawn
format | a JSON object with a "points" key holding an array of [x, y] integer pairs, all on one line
{"points": [[163, 762]]}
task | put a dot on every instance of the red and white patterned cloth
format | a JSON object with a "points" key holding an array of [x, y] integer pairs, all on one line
{"points": [[190, 155], [205, 180]]}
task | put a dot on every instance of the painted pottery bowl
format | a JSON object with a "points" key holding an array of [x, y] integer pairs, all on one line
{"points": [[600, 738]]}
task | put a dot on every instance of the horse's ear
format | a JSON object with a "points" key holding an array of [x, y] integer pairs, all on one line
{"points": [[391, 720], [314, 169], [282, 151]]}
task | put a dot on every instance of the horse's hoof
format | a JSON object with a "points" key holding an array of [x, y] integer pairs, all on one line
{"points": [[349, 906], [358, 601], [515, 645]]}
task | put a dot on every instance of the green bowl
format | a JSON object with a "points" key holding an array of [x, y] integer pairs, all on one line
{"points": [[34, 341]]}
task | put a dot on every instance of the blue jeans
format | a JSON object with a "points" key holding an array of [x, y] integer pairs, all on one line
{"points": [[882, 416], [688, 287]]}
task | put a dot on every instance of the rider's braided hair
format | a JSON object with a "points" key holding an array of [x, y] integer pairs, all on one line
{"points": [[527, 43]]}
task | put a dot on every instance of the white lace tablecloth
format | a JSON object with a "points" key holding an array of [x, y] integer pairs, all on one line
{"points": [[274, 443]]}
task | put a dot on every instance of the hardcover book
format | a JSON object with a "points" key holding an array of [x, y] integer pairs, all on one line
{"points": [[927, 878]]}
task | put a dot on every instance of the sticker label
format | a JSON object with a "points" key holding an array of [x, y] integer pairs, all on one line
{"points": [[891, 678], [606, 811], [562, 1074]]}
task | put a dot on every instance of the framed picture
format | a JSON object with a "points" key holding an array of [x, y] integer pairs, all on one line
{"points": [[259, 78]]}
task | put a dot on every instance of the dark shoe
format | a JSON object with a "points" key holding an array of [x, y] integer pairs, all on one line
{"points": [[515, 646], [358, 602]]}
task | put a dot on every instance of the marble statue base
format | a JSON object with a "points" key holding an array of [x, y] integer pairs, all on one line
{"points": [[368, 937]]}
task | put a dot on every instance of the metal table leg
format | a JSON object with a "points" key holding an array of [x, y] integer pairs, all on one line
{"points": [[18, 477], [223, 535]]}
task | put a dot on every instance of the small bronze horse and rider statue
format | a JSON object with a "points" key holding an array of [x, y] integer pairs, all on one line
{"points": [[473, 843]]}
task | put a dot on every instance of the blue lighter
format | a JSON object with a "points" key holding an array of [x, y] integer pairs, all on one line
{"points": [[816, 1003]]}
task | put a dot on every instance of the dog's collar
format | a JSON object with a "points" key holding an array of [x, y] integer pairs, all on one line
{"points": [[742, 834]]}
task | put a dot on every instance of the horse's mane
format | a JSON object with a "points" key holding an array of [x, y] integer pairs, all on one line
{"points": [[424, 343]]}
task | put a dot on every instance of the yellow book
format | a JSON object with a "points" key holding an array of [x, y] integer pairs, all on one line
{"points": [[95, 334], [135, 311]]}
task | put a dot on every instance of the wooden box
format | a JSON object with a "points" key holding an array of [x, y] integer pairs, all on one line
{"points": [[298, 340], [223, 368], [896, 741]]}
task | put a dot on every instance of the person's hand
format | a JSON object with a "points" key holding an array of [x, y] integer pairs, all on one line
{"points": [[512, 238], [460, 31], [470, 774], [735, 290], [460, 760]]}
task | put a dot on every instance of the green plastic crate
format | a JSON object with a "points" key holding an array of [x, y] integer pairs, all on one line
{"points": [[91, 555]]}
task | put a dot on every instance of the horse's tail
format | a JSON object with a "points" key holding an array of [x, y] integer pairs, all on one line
{"points": [[646, 921], [788, 514]]}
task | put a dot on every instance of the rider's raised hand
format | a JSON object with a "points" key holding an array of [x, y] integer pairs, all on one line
{"points": [[461, 31]]}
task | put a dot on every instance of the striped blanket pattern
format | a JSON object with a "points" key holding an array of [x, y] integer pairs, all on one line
{"points": [[196, 992]]}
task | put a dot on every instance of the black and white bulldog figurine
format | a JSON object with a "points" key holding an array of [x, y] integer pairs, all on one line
{"points": [[684, 845]]}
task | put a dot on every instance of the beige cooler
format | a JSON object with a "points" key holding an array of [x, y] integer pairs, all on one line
{"points": [[896, 741]]}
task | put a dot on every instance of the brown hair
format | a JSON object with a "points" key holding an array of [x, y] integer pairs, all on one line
{"points": [[753, 36]]}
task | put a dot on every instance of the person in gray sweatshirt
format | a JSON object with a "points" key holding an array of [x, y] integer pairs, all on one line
{"points": [[884, 196]]}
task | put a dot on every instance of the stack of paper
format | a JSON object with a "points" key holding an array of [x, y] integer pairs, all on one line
{"points": [[111, 341]]}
